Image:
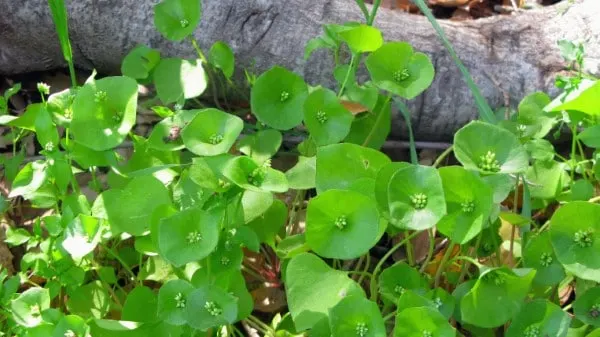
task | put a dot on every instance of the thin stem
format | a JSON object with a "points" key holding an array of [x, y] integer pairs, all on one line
{"points": [[376, 5], [363, 8], [390, 315], [430, 252], [300, 195], [213, 83], [350, 68], [72, 74], [465, 258], [372, 132], [442, 264], [382, 261], [121, 261], [367, 265], [443, 156], [465, 266], [409, 251], [573, 150], [513, 230], [361, 273], [255, 326], [260, 323]]}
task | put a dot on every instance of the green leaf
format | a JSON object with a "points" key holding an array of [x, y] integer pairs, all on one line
{"points": [[584, 99], [221, 56], [326, 118], [395, 67], [499, 151], [267, 225], [576, 241], [177, 19], [26, 120], [262, 145], [31, 177], [245, 302], [70, 324], [394, 280], [255, 204], [373, 128], [45, 131], [82, 235], [89, 301], [362, 38], [541, 316], [129, 210], [317, 43], [540, 149], [531, 115], [16, 236], [422, 321], [342, 224], [140, 62], [247, 174], [360, 164], [506, 288], [104, 112], [27, 308], [590, 136], [313, 288], [188, 236], [209, 307], [176, 79], [302, 176], [587, 307], [416, 198], [211, 132], [166, 135], [547, 179], [356, 315], [277, 98], [468, 203], [140, 306], [60, 19], [172, 301]]}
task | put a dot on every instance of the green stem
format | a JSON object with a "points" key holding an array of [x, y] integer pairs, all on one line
{"points": [[382, 261], [443, 156], [121, 261], [465, 258], [513, 230], [409, 250], [390, 315], [430, 252], [573, 150], [465, 266], [372, 132], [442, 264], [363, 8], [206, 65], [347, 77], [376, 5], [367, 265], [258, 322]]}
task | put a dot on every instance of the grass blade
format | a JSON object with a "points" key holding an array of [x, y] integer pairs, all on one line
{"points": [[59, 16], [485, 112]]}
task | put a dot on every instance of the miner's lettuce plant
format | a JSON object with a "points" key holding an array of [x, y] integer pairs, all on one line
{"points": [[173, 240]]}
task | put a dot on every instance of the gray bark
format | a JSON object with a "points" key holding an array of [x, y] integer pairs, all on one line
{"points": [[507, 55]]}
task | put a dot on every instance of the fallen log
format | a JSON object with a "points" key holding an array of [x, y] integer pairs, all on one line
{"points": [[509, 56]]}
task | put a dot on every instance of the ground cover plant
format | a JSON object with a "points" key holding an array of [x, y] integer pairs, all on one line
{"points": [[170, 242]]}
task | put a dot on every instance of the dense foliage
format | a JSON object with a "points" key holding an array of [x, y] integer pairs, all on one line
{"points": [[171, 237]]}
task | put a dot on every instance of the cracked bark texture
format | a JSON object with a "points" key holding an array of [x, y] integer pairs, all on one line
{"points": [[507, 55]]}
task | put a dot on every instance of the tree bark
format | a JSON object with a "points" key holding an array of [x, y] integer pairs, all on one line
{"points": [[508, 56]]}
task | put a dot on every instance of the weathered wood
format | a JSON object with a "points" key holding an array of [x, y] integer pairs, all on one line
{"points": [[513, 55]]}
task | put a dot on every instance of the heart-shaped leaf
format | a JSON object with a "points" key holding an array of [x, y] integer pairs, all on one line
{"points": [[27, 308], [82, 235], [177, 80], [362, 38]]}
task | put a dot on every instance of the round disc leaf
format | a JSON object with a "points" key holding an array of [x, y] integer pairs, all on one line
{"points": [[177, 19], [166, 135], [587, 307], [541, 316], [104, 112], [490, 149], [221, 56], [140, 62], [416, 198], [312, 288], [277, 98], [326, 118], [342, 224], [359, 163], [27, 308], [188, 236], [261, 145], [362, 38], [356, 316], [395, 67], [399, 277], [539, 254], [422, 321], [247, 174], [211, 132], [172, 301], [176, 79], [140, 305], [468, 203], [81, 236], [209, 307], [576, 242], [129, 210]]}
